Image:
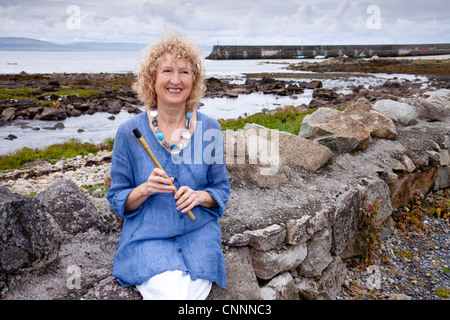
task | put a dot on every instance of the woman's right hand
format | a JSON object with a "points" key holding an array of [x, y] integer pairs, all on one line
{"points": [[157, 182]]}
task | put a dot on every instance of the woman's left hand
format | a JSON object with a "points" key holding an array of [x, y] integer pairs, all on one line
{"points": [[188, 199]]}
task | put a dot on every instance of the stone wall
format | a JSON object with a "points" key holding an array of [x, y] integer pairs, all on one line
{"points": [[291, 221]]}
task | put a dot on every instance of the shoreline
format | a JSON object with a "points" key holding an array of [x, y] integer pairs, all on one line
{"points": [[55, 97]]}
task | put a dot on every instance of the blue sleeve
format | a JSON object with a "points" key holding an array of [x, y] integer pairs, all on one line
{"points": [[122, 177], [218, 184]]}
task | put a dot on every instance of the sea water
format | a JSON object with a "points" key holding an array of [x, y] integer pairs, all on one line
{"points": [[97, 128]]}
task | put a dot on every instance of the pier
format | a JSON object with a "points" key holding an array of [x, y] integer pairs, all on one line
{"points": [[223, 52]]}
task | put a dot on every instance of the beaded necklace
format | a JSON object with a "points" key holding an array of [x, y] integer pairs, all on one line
{"points": [[184, 134]]}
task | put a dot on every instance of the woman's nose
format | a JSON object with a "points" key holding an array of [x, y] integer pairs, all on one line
{"points": [[175, 79]]}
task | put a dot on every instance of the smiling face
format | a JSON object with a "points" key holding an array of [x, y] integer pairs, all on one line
{"points": [[173, 82]]}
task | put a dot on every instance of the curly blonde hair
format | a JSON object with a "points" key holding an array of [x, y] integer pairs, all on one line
{"points": [[179, 47]]}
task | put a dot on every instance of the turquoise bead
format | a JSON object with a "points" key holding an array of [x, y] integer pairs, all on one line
{"points": [[160, 136], [188, 115]]}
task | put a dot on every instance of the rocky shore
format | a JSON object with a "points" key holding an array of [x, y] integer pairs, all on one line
{"points": [[58, 96], [293, 225]]}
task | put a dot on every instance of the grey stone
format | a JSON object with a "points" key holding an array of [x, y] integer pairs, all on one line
{"points": [[71, 209], [334, 129], [270, 263], [397, 111], [281, 287], [298, 230], [241, 279], [30, 238], [267, 238]]}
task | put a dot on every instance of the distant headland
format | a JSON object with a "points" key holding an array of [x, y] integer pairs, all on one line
{"points": [[223, 52]]}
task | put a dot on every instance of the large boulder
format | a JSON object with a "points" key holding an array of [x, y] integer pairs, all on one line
{"points": [[374, 122], [266, 157], [397, 111], [71, 209], [334, 129], [440, 98], [425, 109], [30, 238]]}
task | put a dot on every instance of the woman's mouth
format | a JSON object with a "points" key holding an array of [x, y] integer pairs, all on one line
{"points": [[174, 90]]}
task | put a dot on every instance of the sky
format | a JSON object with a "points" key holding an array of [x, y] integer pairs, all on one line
{"points": [[230, 22]]}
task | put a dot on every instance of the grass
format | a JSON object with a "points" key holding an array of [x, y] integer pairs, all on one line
{"points": [[52, 154], [27, 93], [80, 92], [443, 292], [19, 92], [288, 120]]}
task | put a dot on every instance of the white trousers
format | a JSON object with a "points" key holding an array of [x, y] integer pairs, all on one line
{"points": [[174, 285]]}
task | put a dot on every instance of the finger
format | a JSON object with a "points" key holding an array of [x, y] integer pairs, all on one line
{"points": [[181, 191], [188, 208], [187, 201], [159, 172], [161, 180]]}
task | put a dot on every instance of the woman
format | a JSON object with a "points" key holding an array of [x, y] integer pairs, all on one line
{"points": [[162, 251]]}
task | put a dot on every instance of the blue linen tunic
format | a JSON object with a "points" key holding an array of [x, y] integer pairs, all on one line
{"points": [[156, 237]]}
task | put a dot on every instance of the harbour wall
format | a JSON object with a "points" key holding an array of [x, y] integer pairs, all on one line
{"points": [[222, 52]]}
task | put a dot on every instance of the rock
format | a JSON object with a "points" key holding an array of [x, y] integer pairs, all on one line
{"points": [[409, 183], [308, 289], [266, 157], [374, 122], [114, 106], [426, 110], [313, 84], [409, 165], [438, 93], [443, 179], [347, 219], [255, 158], [296, 151], [239, 240], [11, 137], [319, 256], [323, 219], [241, 280], [397, 111], [268, 264], [71, 209], [325, 94], [282, 287], [298, 230], [30, 238], [328, 285], [332, 279], [267, 238], [335, 130], [52, 113], [8, 114]]}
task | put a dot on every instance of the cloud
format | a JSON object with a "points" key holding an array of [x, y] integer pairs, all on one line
{"points": [[229, 22]]}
